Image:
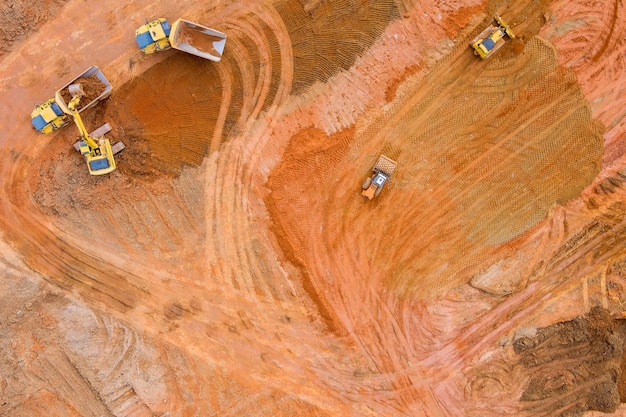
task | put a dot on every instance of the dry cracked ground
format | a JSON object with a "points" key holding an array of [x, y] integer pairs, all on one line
{"points": [[230, 266]]}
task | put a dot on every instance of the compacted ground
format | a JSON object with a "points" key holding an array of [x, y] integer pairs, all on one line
{"points": [[229, 266]]}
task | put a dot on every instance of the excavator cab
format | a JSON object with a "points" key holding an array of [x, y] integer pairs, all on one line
{"points": [[99, 160]]}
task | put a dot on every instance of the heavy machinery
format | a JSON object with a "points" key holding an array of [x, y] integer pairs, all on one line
{"points": [[186, 36], [53, 113], [492, 38], [372, 186], [56, 112], [48, 117], [97, 151], [154, 36], [99, 88]]}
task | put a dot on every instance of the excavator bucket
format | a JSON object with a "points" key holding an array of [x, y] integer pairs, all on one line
{"points": [[505, 27]]}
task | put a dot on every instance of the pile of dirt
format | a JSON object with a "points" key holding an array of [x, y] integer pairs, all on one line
{"points": [[199, 39], [310, 152], [169, 116], [574, 366], [91, 87]]}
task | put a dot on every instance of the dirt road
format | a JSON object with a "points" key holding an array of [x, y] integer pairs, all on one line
{"points": [[230, 267]]}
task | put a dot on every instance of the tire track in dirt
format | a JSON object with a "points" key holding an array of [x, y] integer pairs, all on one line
{"points": [[67, 382], [345, 223], [398, 393], [324, 260], [390, 394], [438, 196], [565, 274], [248, 270], [571, 366], [159, 286], [590, 39]]}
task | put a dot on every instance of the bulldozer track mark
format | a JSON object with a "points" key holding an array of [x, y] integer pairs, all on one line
{"points": [[449, 182], [127, 347], [72, 385], [232, 268], [126, 401], [127, 215], [570, 398], [504, 316], [80, 274], [331, 47], [263, 27]]}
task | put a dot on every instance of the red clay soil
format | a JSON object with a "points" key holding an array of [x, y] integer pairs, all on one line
{"points": [[230, 266], [91, 88], [20, 19]]}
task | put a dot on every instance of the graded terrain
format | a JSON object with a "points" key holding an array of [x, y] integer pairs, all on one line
{"points": [[230, 266]]}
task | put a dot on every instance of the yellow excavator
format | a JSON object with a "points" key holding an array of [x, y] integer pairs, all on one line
{"points": [[97, 151]]}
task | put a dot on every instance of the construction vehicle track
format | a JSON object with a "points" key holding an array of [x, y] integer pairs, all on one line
{"points": [[230, 266]]}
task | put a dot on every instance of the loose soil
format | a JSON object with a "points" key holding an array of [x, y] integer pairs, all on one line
{"points": [[229, 266], [199, 39], [20, 19], [92, 88]]}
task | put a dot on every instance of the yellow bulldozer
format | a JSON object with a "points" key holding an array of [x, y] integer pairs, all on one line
{"points": [[492, 38]]}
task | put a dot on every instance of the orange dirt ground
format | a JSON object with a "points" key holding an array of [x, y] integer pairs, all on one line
{"points": [[230, 267]]}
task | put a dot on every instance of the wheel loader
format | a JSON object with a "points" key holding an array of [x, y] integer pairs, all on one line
{"points": [[490, 40], [373, 185]]}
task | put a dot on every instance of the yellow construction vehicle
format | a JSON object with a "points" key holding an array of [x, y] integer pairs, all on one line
{"points": [[193, 38], [48, 117], [491, 39], [154, 36], [97, 151], [373, 185]]}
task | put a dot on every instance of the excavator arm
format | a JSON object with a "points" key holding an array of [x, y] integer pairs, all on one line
{"points": [[79, 123], [98, 154]]}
